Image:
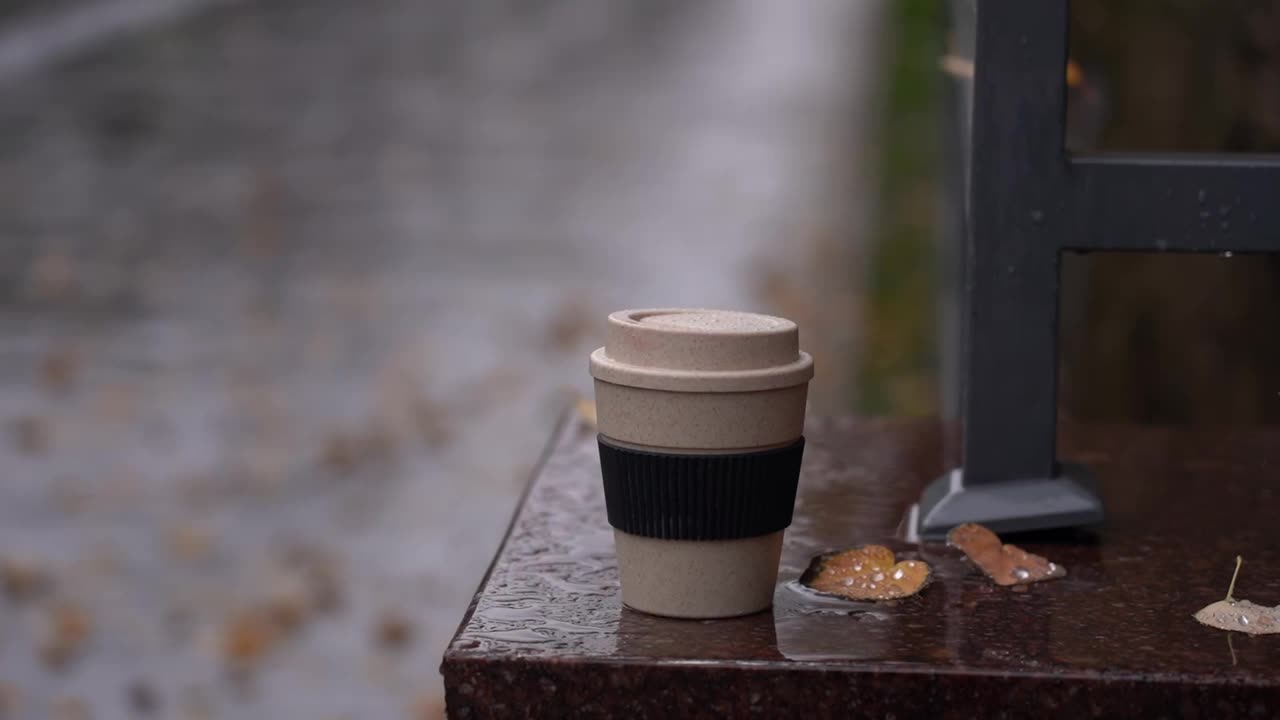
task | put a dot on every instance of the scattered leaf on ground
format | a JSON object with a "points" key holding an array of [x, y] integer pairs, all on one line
{"points": [[142, 698], [115, 403], [292, 600], [318, 574], [59, 368], [52, 276], [31, 434], [345, 451], [1240, 615], [571, 322], [869, 572], [22, 580], [428, 707], [1004, 564], [307, 586], [586, 410], [70, 708], [68, 629], [394, 632], [190, 542], [432, 422], [340, 452], [8, 701], [246, 638]]}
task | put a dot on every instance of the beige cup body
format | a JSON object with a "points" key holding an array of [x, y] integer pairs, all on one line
{"points": [[700, 421], [698, 579], [679, 392]]}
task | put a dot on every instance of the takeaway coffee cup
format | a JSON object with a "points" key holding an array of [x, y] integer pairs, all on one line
{"points": [[701, 420]]}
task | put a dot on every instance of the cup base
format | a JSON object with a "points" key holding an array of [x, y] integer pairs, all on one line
{"points": [[698, 579], [694, 618]]}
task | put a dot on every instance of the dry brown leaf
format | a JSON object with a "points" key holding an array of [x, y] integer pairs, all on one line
{"points": [[247, 638], [8, 701], [1004, 564], [115, 403], [59, 368], [143, 699], [70, 708], [340, 452], [571, 322], [346, 451], [394, 632], [69, 628], [31, 434], [870, 572], [22, 580], [432, 421], [319, 575], [428, 707], [586, 410], [1240, 615], [288, 608], [52, 276], [190, 542]]}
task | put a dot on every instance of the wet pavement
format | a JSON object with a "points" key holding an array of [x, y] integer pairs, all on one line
{"points": [[292, 294]]}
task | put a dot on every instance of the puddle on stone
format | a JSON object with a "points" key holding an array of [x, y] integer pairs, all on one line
{"points": [[812, 602]]}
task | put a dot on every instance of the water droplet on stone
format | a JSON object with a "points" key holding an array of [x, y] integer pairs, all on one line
{"points": [[1227, 254], [1037, 216]]}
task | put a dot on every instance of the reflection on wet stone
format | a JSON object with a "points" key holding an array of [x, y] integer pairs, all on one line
{"points": [[1122, 612]]}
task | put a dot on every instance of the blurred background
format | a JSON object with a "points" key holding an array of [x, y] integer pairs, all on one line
{"points": [[293, 292]]}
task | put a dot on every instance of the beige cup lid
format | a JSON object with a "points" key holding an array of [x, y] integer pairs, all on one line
{"points": [[701, 351]]}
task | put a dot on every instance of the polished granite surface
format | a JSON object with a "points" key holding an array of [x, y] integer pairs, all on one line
{"points": [[1114, 638]]}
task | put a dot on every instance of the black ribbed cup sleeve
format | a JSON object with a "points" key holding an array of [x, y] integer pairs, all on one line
{"points": [[700, 497]]}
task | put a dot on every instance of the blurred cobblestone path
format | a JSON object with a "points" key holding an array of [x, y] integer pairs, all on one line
{"points": [[291, 293]]}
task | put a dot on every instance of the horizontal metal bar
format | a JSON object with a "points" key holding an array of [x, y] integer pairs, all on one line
{"points": [[1176, 160], [1179, 203]]}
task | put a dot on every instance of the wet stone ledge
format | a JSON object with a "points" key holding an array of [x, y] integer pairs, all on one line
{"points": [[547, 635]]}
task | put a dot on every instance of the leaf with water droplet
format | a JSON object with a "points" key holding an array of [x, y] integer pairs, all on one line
{"points": [[869, 572], [1004, 564], [1240, 615]]}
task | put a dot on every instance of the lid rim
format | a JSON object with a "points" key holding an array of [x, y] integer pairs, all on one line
{"points": [[607, 369], [634, 319]]}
